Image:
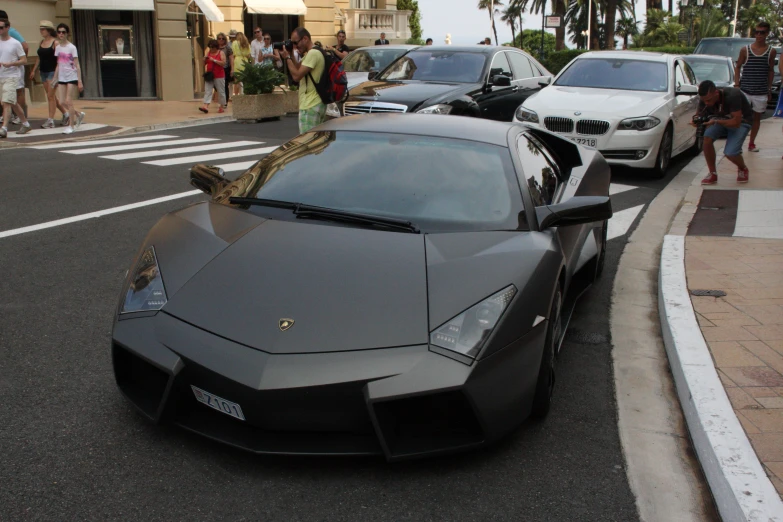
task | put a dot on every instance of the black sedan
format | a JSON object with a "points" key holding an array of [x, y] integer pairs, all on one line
{"points": [[718, 69], [388, 285], [479, 81]]}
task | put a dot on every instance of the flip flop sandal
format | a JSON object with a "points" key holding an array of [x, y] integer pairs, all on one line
{"points": [[202, 109]]}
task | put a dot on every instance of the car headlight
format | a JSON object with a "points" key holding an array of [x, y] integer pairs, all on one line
{"points": [[466, 333], [639, 124], [440, 108], [526, 115], [145, 291], [333, 111]]}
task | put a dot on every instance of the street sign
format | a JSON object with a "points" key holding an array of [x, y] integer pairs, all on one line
{"points": [[553, 22]]}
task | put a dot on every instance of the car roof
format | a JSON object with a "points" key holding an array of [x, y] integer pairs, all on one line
{"points": [[442, 126], [731, 38], [483, 49], [381, 47], [628, 55]]}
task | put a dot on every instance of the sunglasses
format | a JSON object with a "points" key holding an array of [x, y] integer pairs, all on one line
{"points": [[62, 32], [295, 42], [257, 32], [221, 38], [265, 38], [2, 27], [761, 32]]}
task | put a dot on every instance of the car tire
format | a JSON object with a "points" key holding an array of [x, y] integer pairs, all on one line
{"points": [[599, 268], [698, 146], [545, 385], [664, 154]]}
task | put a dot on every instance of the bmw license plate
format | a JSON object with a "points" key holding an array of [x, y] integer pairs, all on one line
{"points": [[218, 403], [590, 142]]}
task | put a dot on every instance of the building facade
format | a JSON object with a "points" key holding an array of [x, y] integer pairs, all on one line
{"points": [[152, 49]]}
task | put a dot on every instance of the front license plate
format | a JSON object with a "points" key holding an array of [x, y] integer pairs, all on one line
{"points": [[218, 403], [590, 142]]}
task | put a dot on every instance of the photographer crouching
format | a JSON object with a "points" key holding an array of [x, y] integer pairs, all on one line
{"points": [[724, 113], [312, 110]]}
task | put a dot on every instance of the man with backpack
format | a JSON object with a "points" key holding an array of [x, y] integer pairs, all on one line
{"points": [[320, 75]]}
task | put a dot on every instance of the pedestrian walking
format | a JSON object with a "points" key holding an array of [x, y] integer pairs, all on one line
{"points": [[20, 93], [12, 56], [242, 56], [257, 45], [312, 110], [753, 74], [214, 76], [69, 78], [228, 66], [46, 65]]}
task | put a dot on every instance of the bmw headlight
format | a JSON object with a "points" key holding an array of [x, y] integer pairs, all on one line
{"points": [[639, 124], [333, 111], [526, 115], [466, 333], [145, 291], [440, 108]]}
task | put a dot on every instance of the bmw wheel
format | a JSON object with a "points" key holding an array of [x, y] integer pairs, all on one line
{"points": [[545, 385], [664, 154], [599, 269]]}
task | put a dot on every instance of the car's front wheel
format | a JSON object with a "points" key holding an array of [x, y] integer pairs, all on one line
{"points": [[664, 154], [545, 386], [599, 269]]}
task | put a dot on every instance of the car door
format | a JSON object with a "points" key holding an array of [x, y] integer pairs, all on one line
{"points": [[494, 101], [683, 109]]}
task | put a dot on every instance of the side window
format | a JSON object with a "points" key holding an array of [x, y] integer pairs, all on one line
{"points": [[679, 78], [539, 175], [500, 66], [521, 65]]}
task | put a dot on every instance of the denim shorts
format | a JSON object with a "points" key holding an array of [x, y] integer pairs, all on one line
{"points": [[47, 76], [734, 137]]}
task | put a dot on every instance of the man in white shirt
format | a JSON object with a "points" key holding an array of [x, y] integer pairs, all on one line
{"points": [[257, 45], [12, 56]]}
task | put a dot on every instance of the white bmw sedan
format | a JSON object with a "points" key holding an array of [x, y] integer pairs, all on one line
{"points": [[634, 107]]}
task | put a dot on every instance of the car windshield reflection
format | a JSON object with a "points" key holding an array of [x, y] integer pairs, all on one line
{"points": [[438, 183], [614, 73], [366, 60], [437, 66], [716, 70]]}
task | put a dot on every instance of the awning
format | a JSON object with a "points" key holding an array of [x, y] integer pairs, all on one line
{"points": [[210, 10], [276, 7], [114, 5]]}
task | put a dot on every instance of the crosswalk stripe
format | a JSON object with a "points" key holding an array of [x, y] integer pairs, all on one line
{"points": [[181, 150], [209, 157], [621, 221], [617, 188], [234, 167], [134, 146], [93, 143], [59, 130]]}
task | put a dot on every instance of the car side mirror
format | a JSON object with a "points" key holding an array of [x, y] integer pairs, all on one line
{"points": [[576, 211], [371, 75], [501, 81], [545, 81], [208, 179], [687, 90]]}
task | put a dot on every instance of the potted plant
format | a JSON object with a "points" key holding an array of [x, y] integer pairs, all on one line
{"points": [[262, 96]]}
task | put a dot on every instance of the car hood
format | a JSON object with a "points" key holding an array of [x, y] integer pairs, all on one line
{"points": [[355, 78], [344, 289], [412, 94], [611, 103]]}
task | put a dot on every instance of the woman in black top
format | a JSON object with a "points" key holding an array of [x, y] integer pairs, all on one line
{"points": [[47, 63]]}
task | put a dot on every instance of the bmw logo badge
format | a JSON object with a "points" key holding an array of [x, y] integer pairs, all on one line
{"points": [[577, 113]]}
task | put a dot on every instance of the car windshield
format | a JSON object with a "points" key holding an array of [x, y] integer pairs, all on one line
{"points": [[373, 59], [437, 66], [436, 183], [716, 70], [723, 47], [616, 73]]}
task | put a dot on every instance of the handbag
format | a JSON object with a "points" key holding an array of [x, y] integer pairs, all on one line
{"points": [[209, 76]]}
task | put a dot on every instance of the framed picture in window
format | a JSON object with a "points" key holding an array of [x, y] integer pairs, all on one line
{"points": [[116, 42]]}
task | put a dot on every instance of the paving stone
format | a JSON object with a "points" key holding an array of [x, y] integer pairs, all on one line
{"points": [[771, 402], [770, 357], [729, 354], [764, 333], [761, 391], [766, 420], [740, 400], [711, 305], [768, 446], [727, 382], [754, 376], [748, 426], [732, 333], [776, 468]]}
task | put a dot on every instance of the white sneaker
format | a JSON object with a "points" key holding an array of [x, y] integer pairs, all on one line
{"points": [[79, 119], [68, 130], [49, 124], [3, 132], [24, 129], [65, 119], [16, 121]]}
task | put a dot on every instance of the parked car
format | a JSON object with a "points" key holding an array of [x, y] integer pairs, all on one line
{"points": [[364, 60], [718, 69], [725, 46], [635, 107], [479, 81], [385, 285]]}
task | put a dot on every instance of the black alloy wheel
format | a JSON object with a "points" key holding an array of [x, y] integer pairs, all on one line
{"points": [[599, 269], [664, 154], [545, 386]]}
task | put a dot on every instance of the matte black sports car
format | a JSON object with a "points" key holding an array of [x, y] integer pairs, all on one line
{"points": [[478, 81], [392, 285]]}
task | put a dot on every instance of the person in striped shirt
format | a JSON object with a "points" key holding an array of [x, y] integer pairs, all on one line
{"points": [[757, 65]]}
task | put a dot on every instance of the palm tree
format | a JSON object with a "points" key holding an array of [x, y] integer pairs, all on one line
{"points": [[559, 9], [491, 6], [510, 16], [712, 23], [626, 27]]}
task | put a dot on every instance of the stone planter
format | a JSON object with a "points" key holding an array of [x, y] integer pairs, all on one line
{"points": [[254, 107], [292, 102]]}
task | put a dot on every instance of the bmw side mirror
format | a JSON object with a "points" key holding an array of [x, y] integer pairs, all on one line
{"points": [[501, 81], [687, 90], [371, 75], [545, 81], [578, 210], [208, 179]]}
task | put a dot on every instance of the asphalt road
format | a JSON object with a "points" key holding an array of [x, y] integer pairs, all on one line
{"points": [[74, 448]]}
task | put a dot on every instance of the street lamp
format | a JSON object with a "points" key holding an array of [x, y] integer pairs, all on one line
{"points": [[699, 3], [585, 35]]}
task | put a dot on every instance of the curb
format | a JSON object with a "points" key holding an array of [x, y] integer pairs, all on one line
{"points": [[740, 487]]}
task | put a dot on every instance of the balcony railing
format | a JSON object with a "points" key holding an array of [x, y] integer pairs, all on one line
{"points": [[367, 24]]}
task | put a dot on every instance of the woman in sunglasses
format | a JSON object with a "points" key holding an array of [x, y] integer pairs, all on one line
{"points": [[268, 54], [214, 76], [69, 77], [241, 49], [46, 64], [228, 67]]}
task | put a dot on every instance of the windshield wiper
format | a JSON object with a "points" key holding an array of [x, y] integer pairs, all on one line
{"points": [[313, 212]]}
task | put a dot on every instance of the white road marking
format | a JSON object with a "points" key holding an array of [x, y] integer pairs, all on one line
{"points": [[59, 130], [135, 146], [181, 150], [92, 143], [621, 221], [209, 157], [234, 167], [99, 213], [617, 188]]}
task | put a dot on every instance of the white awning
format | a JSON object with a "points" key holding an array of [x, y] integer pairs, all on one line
{"points": [[210, 10], [114, 5], [276, 7]]}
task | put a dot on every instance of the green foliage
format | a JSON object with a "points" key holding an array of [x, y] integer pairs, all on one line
{"points": [[556, 60], [530, 42], [667, 49], [414, 41], [660, 30], [415, 19], [260, 79], [711, 23]]}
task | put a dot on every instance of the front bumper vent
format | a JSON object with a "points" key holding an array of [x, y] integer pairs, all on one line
{"points": [[143, 383], [624, 154], [373, 108]]}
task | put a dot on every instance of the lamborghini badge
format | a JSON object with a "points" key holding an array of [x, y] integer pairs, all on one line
{"points": [[285, 324]]}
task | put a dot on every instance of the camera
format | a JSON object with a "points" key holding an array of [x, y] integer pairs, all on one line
{"points": [[698, 120], [288, 44]]}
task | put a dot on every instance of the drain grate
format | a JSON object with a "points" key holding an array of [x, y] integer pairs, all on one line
{"points": [[708, 293]]}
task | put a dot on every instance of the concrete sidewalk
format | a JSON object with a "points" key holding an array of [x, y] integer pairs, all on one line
{"points": [[733, 250]]}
